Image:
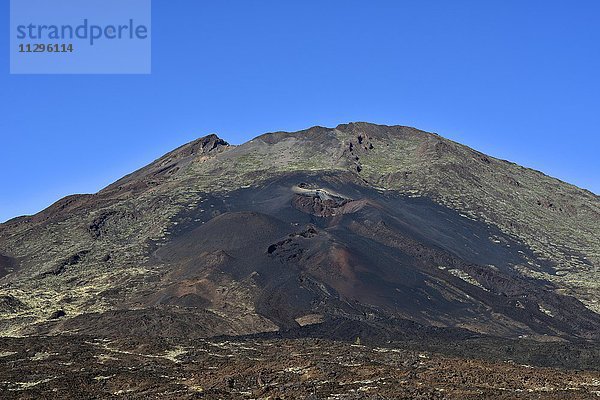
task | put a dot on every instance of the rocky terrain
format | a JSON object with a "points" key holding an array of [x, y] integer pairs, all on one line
{"points": [[78, 367], [384, 233]]}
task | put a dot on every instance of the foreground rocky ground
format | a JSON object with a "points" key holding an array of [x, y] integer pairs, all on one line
{"points": [[70, 367]]}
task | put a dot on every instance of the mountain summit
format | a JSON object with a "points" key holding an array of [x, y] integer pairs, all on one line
{"points": [[363, 229]]}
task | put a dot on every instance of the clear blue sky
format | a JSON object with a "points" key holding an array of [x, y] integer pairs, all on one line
{"points": [[515, 79]]}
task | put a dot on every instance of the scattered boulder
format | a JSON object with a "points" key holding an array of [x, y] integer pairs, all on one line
{"points": [[58, 314]]}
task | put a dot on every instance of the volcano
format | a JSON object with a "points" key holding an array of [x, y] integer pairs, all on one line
{"points": [[381, 234]]}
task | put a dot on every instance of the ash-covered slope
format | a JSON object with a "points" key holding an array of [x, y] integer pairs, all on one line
{"points": [[386, 231]]}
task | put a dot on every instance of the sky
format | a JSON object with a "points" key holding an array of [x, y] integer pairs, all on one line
{"points": [[517, 80]]}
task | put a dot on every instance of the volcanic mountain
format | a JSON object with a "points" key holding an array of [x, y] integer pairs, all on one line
{"points": [[382, 232]]}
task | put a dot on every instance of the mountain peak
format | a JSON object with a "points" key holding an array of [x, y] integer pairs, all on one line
{"points": [[202, 145], [364, 218], [170, 164]]}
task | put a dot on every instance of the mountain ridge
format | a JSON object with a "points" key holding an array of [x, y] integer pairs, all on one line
{"points": [[216, 136]]}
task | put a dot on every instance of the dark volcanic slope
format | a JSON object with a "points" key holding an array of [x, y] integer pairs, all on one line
{"points": [[323, 246], [383, 232], [7, 265]]}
